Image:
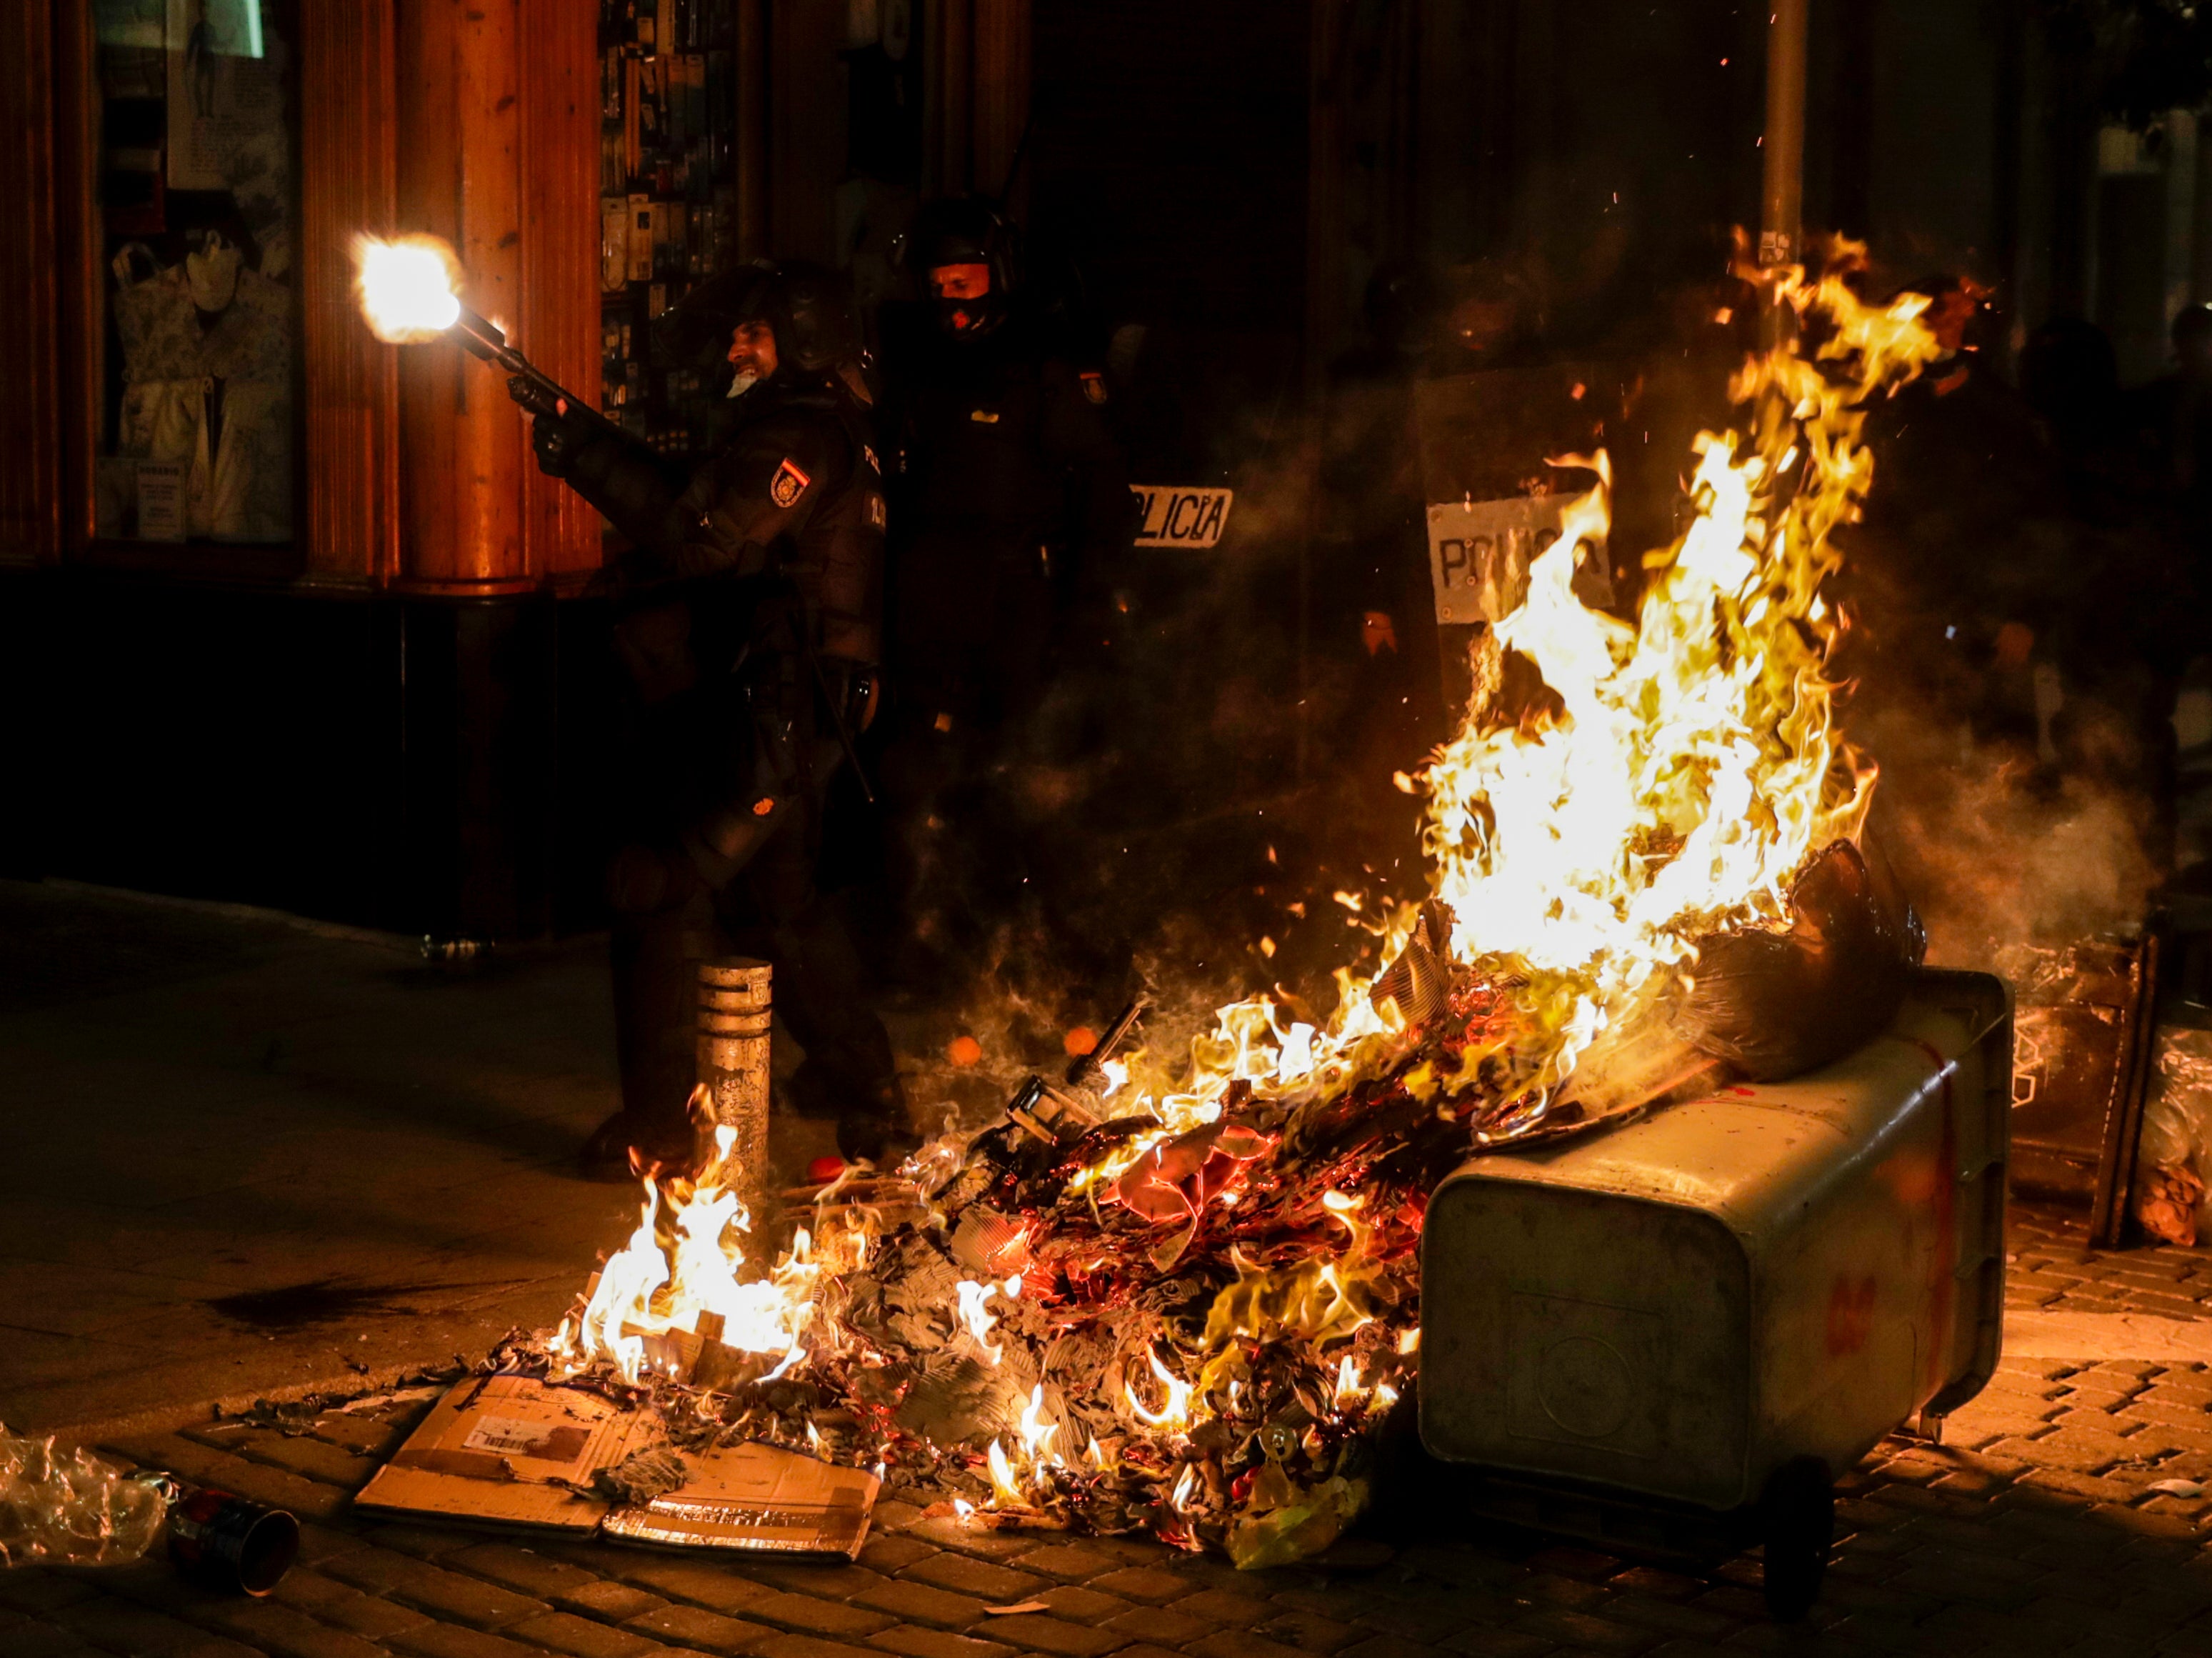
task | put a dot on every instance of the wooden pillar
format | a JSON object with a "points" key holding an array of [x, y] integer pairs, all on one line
{"points": [[349, 156], [806, 110], [976, 74], [1000, 79], [493, 119], [31, 415], [559, 319], [462, 440], [948, 96], [78, 313]]}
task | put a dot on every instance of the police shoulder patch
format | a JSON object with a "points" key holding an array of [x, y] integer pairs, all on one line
{"points": [[789, 485], [1093, 385]]}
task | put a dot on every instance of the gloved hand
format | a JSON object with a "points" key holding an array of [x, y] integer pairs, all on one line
{"points": [[560, 437]]}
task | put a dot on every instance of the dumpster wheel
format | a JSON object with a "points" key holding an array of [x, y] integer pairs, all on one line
{"points": [[1798, 1525]]}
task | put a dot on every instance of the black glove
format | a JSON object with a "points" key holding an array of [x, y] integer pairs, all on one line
{"points": [[560, 436]]}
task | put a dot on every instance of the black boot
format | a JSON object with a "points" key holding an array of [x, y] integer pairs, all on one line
{"points": [[875, 1124], [883, 1137], [626, 1148], [605, 1156]]}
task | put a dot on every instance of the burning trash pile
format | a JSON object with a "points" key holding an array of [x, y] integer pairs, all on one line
{"points": [[1176, 1298]]}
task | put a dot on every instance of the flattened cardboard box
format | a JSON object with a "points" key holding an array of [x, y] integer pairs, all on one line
{"points": [[512, 1451]]}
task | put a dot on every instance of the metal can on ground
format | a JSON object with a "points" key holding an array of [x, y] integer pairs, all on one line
{"points": [[225, 1542]]}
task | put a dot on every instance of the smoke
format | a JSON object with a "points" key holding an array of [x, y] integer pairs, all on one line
{"points": [[1147, 826], [1149, 829], [1999, 847]]}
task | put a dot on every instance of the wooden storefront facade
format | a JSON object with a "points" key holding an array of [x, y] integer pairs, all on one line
{"points": [[388, 715]]}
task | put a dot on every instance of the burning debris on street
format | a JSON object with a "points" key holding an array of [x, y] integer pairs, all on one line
{"points": [[1008, 812], [1178, 1298]]}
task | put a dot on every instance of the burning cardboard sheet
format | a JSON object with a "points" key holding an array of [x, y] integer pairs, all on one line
{"points": [[512, 1451]]}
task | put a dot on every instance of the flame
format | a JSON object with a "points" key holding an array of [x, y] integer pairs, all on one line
{"points": [[1004, 1490], [1690, 769], [1179, 1498], [1699, 748], [1174, 1415], [1348, 1388], [1034, 1457], [409, 287], [973, 1314], [1037, 1434], [646, 1289]]}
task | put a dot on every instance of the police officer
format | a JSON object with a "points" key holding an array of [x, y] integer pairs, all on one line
{"points": [[748, 615], [1011, 508]]}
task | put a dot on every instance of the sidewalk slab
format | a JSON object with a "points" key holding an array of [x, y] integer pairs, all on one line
{"points": [[245, 1155]]}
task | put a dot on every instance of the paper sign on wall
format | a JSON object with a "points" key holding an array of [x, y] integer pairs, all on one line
{"points": [[1479, 553], [1175, 516], [226, 91], [161, 500]]}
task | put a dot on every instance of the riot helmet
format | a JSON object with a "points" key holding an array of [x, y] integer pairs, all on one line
{"points": [[803, 305], [966, 259]]}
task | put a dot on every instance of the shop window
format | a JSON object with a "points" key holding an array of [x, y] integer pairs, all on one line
{"points": [[668, 204], [198, 143]]}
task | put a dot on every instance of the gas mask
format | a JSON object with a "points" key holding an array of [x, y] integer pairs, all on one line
{"points": [[969, 303]]}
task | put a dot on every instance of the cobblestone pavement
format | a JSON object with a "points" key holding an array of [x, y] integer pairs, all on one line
{"points": [[2051, 1269], [2035, 1529]]}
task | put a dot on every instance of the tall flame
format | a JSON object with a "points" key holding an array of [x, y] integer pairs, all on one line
{"points": [[1695, 766], [1690, 768]]}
